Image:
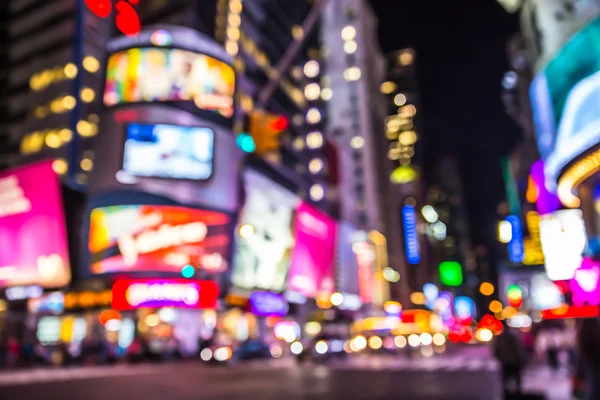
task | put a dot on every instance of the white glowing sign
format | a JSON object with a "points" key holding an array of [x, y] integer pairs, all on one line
{"points": [[23, 292], [563, 240]]}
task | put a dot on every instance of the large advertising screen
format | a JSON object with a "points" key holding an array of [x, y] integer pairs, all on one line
{"points": [[168, 151], [157, 238], [311, 269], [264, 243], [161, 74], [33, 237], [563, 97]]}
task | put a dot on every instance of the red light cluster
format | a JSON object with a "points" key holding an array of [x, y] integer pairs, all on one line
{"points": [[279, 124], [571, 312], [460, 334], [491, 323], [127, 19]]}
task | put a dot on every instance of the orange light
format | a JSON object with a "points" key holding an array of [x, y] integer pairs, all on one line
{"points": [[108, 315], [533, 191], [486, 289], [495, 306], [509, 312]]}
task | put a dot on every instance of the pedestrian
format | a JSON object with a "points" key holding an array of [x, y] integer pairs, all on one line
{"points": [[13, 349], [508, 353], [589, 349], [553, 341]]}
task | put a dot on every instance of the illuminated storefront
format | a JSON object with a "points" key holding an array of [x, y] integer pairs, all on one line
{"points": [[160, 218]]}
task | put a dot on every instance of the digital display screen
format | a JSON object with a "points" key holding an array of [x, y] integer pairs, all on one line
{"points": [[33, 234], [262, 256], [162, 74], [157, 238], [311, 270], [169, 151]]}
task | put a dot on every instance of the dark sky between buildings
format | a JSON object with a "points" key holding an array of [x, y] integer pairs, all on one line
{"points": [[461, 58]]}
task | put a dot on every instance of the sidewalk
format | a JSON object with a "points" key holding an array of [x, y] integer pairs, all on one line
{"points": [[541, 379]]}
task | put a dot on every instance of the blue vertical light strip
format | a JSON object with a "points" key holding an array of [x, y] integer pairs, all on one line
{"points": [[411, 239], [74, 149], [516, 250]]}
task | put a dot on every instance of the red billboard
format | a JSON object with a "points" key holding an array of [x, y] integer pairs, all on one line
{"points": [[157, 238], [156, 293]]}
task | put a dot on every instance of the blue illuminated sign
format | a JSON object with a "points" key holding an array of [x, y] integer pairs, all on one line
{"points": [[411, 239], [266, 304], [516, 251]]}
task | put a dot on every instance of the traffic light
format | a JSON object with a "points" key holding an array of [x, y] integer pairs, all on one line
{"points": [[265, 129]]}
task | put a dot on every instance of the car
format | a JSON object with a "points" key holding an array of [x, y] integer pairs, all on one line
{"points": [[252, 350]]}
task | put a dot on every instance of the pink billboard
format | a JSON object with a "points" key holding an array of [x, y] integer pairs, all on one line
{"points": [[33, 244], [311, 269], [585, 285]]}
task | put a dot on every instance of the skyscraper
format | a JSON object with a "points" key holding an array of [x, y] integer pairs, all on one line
{"points": [[54, 81], [354, 68]]}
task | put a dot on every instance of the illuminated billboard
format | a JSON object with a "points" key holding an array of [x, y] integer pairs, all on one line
{"points": [[168, 151], [311, 269], [265, 239], [157, 238], [563, 97], [33, 237], [564, 240], [155, 293], [151, 74]]}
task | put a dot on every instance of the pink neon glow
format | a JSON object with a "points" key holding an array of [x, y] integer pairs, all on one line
{"points": [[33, 236], [585, 286], [311, 269]]}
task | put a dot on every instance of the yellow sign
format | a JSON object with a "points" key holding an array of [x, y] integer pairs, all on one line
{"points": [[533, 244], [88, 299]]}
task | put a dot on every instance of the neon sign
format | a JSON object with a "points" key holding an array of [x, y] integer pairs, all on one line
{"points": [[265, 304], [411, 240], [127, 19], [516, 250], [180, 293]]}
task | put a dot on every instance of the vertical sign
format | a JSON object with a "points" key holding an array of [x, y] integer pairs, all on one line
{"points": [[411, 239], [512, 192], [516, 250]]}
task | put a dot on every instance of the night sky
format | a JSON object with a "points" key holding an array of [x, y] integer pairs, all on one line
{"points": [[461, 58]]}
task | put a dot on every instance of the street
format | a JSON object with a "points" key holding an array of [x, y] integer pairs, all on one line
{"points": [[196, 381], [470, 374]]}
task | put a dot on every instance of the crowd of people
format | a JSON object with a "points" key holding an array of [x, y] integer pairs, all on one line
{"points": [[15, 353], [571, 348]]}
